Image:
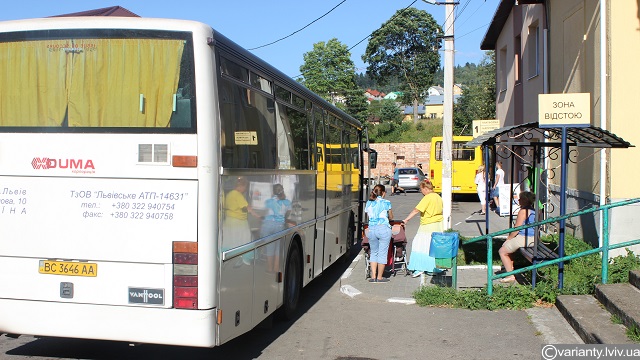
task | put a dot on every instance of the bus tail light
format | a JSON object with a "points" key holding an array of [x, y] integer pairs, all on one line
{"points": [[432, 174], [184, 161], [185, 275]]}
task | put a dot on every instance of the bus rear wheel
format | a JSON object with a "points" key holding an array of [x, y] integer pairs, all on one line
{"points": [[292, 283]]}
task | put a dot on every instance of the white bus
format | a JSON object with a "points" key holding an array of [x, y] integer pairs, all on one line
{"points": [[158, 183]]}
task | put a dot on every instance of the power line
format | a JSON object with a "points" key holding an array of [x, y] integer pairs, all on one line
{"points": [[402, 11], [368, 36], [297, 31], [388, 21], [473, 13], [456, 17]]}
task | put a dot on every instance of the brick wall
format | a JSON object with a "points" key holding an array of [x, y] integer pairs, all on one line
{"points": [[403, 154]]}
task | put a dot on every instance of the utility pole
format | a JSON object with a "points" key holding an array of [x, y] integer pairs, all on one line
{"points": [[447, 124]]}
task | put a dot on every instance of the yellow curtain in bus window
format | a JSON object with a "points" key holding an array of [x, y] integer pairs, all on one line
{"points": [[96, 82], [32, 92]]}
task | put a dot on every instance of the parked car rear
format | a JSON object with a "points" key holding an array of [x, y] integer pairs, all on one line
{"points": [[410, 178]]}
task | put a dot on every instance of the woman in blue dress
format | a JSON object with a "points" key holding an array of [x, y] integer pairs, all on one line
{"points": [[379, 233], [276, 219]]}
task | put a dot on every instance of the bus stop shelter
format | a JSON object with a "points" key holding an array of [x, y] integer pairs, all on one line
{"points": [[529, 149]]}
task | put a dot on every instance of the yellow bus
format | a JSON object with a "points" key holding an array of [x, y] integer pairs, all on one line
{"points": [[341, 162], [465, 162]]}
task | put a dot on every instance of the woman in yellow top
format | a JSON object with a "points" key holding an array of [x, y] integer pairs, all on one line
{"points": [[430, 210], [236, 230]]}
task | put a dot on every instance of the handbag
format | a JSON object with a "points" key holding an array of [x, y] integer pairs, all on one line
{"points": [[444, 245]]}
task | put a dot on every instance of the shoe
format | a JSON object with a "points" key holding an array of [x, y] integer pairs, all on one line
{"points": [[373, 280], [392, 194], [416, 273], [405, 192], [481, 213], [383, 280], [508, 280]]}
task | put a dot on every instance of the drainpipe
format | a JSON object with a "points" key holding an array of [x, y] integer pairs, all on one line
{"points": [[603, 111]]}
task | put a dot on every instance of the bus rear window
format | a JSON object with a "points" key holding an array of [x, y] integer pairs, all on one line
{"points": [[72, 80], [459, 152]]}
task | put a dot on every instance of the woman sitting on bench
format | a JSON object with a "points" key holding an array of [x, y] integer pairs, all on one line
{"points": [[517, 239]]}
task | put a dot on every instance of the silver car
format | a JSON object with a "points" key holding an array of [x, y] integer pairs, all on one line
{"points": [[410, 178]]}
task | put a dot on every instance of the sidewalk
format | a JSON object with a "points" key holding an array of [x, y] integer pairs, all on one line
{"points": [[553, 328]]}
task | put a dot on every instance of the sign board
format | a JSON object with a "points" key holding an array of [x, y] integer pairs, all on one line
{"points": [[564, 110], [482, 126], [246, 137]]}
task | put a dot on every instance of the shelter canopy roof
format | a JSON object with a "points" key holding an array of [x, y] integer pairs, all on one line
{"points": [[532, 133]]}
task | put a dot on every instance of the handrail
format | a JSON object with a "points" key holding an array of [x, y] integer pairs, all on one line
{"points": [[604, 248]]}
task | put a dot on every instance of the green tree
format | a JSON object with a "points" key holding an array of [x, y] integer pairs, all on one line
{"points": [[390, 127], [478, 100], [406, 47], [390, 112], [329, 72], [356, 105]]}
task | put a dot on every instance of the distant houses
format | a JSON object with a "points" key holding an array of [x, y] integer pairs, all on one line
{"points": [[433, 107], [373, 95]]}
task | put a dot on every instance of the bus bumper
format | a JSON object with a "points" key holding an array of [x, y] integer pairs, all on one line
{"points": [[106, 322]]}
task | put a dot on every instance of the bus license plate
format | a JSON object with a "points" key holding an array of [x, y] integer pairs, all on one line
{"points": [[456, 188], [69, 268]]}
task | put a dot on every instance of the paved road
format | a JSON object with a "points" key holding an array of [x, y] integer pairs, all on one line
{"points": [[335, 325]]}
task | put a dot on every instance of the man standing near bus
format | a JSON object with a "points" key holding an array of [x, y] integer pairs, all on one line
{"points": [[395, 181]]}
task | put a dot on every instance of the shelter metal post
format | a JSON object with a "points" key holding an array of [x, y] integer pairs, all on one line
{"points": [[563, 204], [513, 179], [487, 195]]}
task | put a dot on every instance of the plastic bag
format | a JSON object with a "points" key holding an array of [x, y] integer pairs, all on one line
{"points": [[444, 245]]}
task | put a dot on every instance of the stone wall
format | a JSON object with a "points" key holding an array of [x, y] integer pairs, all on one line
{"points": [[403, 154]]}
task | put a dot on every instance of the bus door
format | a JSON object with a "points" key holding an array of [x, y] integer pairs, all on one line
{"points": [[335, 192], [321, 180]]}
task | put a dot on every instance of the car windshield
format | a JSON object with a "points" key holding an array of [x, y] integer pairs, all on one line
{"points": [[407, 171]]}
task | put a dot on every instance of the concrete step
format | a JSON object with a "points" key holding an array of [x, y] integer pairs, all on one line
{"points": [[590, 320], [634, 278], [621, 300]]}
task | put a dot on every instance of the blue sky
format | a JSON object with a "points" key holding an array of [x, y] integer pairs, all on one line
{"points": [[253, 23]]}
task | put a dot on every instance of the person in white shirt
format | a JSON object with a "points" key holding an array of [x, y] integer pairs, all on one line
{"points": [[495, 193]]}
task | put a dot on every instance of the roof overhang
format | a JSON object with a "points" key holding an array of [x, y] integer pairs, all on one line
{"points": [[499, 19], [497, 23]]}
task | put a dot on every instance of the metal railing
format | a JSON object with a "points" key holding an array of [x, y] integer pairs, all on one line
{"points": [[604, 249]]}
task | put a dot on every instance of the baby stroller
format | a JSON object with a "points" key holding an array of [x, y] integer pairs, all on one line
{"points": [[397, 256]]}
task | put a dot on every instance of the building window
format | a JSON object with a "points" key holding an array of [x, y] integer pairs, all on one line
{"points": [[533, 48], [502, 66]]}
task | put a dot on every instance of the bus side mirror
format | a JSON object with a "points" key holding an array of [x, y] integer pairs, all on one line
{"points": [[373, 159]]}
